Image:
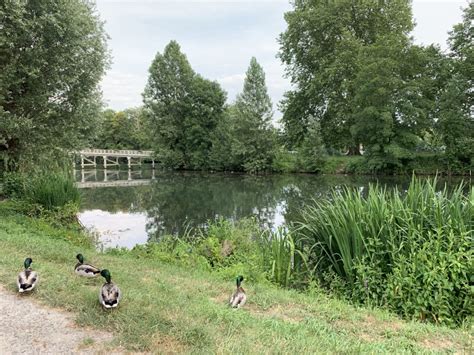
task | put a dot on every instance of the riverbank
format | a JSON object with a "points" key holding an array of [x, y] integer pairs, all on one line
{"points": [[419, 164], [173, 308]]}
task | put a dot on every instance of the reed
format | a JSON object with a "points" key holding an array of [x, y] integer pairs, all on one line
{"points": [[52, 190], [283, 261], [380, 241]]}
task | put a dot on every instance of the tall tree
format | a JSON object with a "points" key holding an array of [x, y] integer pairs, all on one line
{"points": [[254, 140], [456, 123], [320, 49], [52, 54], [183, 110], [394, 99]]}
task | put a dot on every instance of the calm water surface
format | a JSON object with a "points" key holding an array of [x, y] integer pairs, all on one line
{"points": [[128, 208]]}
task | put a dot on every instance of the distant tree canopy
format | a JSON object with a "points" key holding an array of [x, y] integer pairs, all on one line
{"points": [[183, 109], [52, 56], [321, 49], [121, 130], [355, 70], [456, 123]]}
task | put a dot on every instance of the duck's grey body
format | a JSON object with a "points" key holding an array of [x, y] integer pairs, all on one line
{"points": [[238, 298], [110, 295], [27, 279], [86, 270]]}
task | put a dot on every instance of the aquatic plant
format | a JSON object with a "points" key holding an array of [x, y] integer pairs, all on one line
{"points": [[408, 250]]}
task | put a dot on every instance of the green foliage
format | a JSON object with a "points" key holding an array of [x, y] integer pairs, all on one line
{"points": [[406, 250], [52, 190], [53, 55], [321, 48], [456, 123], [236, 248], [183, 110], [284, 262], [122, 130], [392, 102], [357, 72], [245, 139], [168, 308], [43, 190], [311, 150], [14, 184]]}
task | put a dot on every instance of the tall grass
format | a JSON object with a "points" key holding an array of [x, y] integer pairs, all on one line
{"points": [[283, 260], [408, 250], [48, 189], [52, 190]]}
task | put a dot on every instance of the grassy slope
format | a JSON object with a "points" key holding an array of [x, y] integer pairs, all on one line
{"points": [[168, 308]]}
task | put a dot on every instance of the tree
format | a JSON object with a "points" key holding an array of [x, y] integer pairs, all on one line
{"points": [[52, 54], [254, 140], [320, 49], [394, 99], [183, 110], [312, 154], [122, 130], [456, 122]]}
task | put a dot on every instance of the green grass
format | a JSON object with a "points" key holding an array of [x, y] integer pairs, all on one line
{"points": [[168, 308]]}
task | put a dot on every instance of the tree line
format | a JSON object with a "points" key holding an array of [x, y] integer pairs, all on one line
{"points": [[360, 79], [359, 84]]}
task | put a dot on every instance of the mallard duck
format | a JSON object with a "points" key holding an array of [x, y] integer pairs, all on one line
{"points": [[28, 278], [239, 297], [85, 270], [110, 294]]}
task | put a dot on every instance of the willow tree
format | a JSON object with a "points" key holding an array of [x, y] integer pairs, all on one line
{"points": [[52, 56]]}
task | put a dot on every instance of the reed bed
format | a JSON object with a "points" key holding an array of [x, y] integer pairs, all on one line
{"points": [[410, 251]]}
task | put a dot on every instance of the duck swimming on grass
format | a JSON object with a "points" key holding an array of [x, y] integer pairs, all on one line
{"points": [[83, 269], [110, 294], [239, 297], [28, 278]]}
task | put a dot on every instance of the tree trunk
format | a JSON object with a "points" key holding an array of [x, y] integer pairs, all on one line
{"points": [[354, 150]]}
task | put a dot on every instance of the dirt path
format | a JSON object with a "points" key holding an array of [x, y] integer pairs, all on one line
{"points": [[30, 328]]}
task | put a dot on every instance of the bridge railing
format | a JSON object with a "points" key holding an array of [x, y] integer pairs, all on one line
{"points": [[121, 152]]}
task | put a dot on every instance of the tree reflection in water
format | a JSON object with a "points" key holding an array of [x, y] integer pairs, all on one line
{"points": [[176, 201]]}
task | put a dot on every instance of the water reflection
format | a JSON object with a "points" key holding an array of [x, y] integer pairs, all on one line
{"points": [[167, 203]]}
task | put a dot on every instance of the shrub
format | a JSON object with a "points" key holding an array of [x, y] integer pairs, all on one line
{"points": [[408, 250], [14, 184]]}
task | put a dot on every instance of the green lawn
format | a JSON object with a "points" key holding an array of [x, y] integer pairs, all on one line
{"points": [[167, 308]]}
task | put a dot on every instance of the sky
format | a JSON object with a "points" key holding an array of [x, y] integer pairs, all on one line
{"points": [[219, 37]]}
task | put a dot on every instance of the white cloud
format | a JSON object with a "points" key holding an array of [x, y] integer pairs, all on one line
{"points": [[122, 90]]}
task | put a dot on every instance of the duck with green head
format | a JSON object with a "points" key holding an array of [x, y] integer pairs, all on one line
{"points": [[110, 294], [27, 279], [239, 297], [83, 269]]}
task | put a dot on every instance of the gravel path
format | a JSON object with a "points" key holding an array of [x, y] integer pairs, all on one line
{"points": [[29, 328]]}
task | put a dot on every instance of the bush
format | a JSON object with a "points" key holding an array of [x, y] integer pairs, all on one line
{"points": [[410, 251], [234, 248], [14, 184]]}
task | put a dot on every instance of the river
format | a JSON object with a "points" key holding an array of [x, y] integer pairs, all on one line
{"points": [[125, 208]]}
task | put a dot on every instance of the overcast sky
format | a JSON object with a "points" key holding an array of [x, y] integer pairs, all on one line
{"points": [[219, 38]]}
